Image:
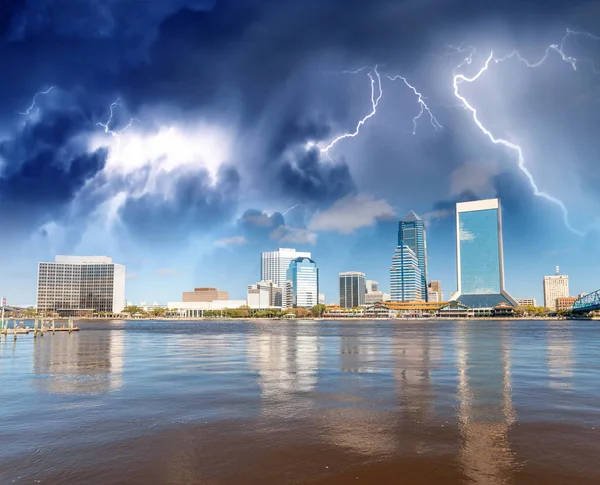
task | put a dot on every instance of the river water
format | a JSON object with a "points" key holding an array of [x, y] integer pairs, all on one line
{"points": [[303, 403]]}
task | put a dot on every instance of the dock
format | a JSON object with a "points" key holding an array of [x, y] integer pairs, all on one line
{"points": [[39, 328]]}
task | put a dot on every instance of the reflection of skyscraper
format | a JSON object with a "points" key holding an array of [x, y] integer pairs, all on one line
{"points": [[411, 232], [559, 354], [480, 262], [486, 412], [82, 363]]}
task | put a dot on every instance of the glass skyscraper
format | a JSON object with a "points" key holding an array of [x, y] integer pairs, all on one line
{"points": [[352, 289], [274, 266], [479, 257], [302, 285], [405, 275], [411, 232]]}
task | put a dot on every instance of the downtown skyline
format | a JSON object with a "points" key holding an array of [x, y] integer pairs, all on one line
{"points": [[158, 143]]}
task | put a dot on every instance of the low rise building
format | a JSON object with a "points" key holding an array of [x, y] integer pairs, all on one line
{"points": [[565, 303], [191, 309], [204, 294], [526, 302], [264, 294]]}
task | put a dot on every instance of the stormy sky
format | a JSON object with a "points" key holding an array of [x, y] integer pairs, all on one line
{"points": [[184, 137]]}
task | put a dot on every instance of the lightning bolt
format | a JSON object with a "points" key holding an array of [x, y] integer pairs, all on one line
{"points": [[28, 110], [424, 108], [106, 126], [292, 208], [376, 95], [461, 78]]}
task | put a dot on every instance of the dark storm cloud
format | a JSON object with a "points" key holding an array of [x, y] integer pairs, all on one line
{"points": [[194, 205]]}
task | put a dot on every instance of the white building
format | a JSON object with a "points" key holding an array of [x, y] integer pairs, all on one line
{"points": [[321, 299], [79, 285], [264, 294], [556, 286], [274, 266], [376, 296], [371, 286], [196, 309], [526, 302]]}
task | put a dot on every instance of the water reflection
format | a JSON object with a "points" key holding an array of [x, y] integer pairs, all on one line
{"points": [[486, 411], [559, 355], [80, 363]]}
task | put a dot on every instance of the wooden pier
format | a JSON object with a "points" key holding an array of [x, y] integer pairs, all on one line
{"points": [[39, 327]]}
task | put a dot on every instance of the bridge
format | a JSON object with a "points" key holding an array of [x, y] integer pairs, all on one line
{"points": [[587, 303]]}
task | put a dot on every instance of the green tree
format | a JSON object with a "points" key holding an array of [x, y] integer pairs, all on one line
{"points": [[158, 312], [318, 310]]}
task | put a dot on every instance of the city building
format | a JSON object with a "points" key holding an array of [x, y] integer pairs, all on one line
{"points": [[411, 232], [479, 256], [274, 266], [526, 302], [376, 297], [81, 285], [556, 286], [352, 289], [302, 284], [371, 286], [434, 291], [321, 299], [205, 294], [405, 275], [196, 309], [264, 294], [148, 308], [565, 302]]}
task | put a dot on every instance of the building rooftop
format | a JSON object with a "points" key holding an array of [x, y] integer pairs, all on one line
{"points": [[411, 217]]}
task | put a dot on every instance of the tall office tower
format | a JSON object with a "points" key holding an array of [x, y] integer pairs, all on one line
{"points": [[479, 257], [80, 285], [371, 286], [556, 286], [405, 275], [352, 289], [434, 291], [274, 266], [302, 285], [411, 231]]}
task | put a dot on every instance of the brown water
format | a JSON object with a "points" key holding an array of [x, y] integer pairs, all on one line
{"points": [[303, 402]]}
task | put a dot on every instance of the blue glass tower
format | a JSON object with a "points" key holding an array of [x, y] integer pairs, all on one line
{"points": [[411, 232], [302, 285], [405, 275]]}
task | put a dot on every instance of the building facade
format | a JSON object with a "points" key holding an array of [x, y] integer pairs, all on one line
{"points": [[526, 302], [352, 289], [479, 255], [556, 286], [196, 309], [204, 294], [411, 232], [302, 285], [81, 285], [371, 286], [274, 266], [376, 297], [565, 302], [434, 291], [264, 294], [405, 275]]}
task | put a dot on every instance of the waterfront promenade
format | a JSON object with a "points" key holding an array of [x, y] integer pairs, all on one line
{"points": [[244, 402]]}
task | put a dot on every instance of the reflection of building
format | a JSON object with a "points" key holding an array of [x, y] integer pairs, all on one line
{"points": [[480, 261], [411, 232], [302, 283], [486, 411], [205, 294], [559, 353], [556, 286], [526, 302], [82, 363], [405, 275], [352, 289], [79, 285], [565, 303], [274, 266], [264, 294]]}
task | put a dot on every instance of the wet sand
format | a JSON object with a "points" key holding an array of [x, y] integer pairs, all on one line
{"points": [[294, 403]]}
